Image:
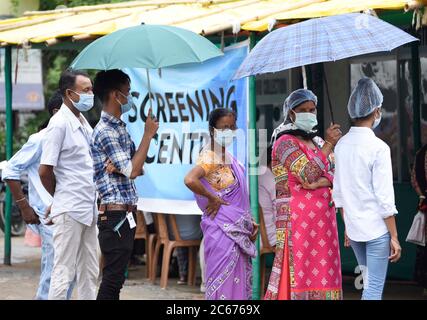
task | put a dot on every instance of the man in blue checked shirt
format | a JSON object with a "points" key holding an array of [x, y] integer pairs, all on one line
{"points": [[27, 159], [116, 164]]}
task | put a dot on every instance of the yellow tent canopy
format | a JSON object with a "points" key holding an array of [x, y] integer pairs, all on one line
{"points": [[201, 16]]}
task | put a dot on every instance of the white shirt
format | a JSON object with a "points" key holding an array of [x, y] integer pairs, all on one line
{"points": [[363, 184], [66, 147], [27, 159], [266, 199]]}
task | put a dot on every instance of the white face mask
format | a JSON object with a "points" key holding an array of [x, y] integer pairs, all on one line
{"points": [[224, 137], [305, 121], [377, 121]]}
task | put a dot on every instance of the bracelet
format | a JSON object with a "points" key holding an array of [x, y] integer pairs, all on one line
{"points": [[22, 199], [422, 197], [326, 141]]}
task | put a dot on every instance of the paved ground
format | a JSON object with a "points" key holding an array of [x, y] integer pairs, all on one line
{"points": [[20, 280]]}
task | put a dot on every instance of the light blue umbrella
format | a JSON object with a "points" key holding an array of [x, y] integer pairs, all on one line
{"points": [[320, 40], [146, 46]]}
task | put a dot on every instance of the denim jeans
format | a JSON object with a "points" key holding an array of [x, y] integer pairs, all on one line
{"points": [[372, 257], [47, 258]]}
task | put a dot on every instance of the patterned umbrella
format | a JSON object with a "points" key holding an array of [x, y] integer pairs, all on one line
{"points": [[320, 40]]}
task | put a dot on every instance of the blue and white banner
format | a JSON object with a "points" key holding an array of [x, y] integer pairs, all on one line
{"points": [[182, 98]]}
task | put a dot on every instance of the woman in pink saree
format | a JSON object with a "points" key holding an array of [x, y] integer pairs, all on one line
{"points": [[219, 184], [307, 264]]}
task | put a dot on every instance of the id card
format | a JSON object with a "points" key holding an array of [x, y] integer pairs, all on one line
{"points": [[131, 220]]}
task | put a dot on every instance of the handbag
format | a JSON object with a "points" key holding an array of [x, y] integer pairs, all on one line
{"points": [[417, 233]]}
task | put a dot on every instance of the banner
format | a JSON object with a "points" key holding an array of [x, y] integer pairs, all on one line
{"points": [[182, 98], [27, 92]]}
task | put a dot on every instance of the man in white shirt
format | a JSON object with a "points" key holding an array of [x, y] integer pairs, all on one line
{"points": [[363, 188], [66, 172]]}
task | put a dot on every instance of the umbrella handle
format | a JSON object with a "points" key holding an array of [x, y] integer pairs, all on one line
{"points": [[327, 94], [149, 88], [149, 96]]}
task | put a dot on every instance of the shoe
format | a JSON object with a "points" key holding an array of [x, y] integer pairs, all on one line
{"points": [[182, 281], [138, 260], [202, 288]]}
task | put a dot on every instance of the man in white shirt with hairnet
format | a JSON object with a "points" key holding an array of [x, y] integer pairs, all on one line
{"points": [[363, 189]]}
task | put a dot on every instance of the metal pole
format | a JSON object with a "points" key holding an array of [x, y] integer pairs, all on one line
{"points": [[253, 177], [9, 144], [416, 117]]}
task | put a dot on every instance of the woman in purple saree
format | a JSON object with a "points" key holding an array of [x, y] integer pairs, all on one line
{"points": [[219, 184]]}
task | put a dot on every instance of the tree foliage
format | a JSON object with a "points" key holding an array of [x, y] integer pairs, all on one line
{"points": [[53, 63]]}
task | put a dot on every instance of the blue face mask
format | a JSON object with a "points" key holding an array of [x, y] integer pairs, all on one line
{"points": [[127, 106], [85, 102]]}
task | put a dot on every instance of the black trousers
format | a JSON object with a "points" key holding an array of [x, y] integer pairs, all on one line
{"points": [[116, 248]]}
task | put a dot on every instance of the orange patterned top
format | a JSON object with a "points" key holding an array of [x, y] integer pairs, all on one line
{"points": [[218, 174]]}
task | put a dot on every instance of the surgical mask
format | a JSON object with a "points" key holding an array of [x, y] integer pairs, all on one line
{"points": [[377, 122], [85, 102], [305, 121], [224, 137], [127, 106]]}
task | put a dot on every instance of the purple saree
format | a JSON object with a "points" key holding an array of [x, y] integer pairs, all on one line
{"points": [[228, 249]]}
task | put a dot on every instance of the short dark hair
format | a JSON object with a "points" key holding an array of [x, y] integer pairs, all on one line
{"points": [[68, 79], [354, 120], [107, 81], [54, 102], [218, 113]]}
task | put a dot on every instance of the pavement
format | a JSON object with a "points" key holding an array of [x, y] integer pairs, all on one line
{"points": [[20, 281]]}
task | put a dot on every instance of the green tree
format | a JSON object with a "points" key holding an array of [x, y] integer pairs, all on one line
{"points": [[53, 63], [52, 4]]}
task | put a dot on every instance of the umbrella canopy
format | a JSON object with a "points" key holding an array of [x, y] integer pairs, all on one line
{"points": [[145, 46], [321, 40]]}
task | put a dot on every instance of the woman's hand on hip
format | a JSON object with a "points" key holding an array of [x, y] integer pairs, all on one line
{"points": [[255, 231], [214, 203]]}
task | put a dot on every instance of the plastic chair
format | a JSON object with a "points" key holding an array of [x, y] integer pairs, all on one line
{"points": [[168, 247], [150, 239]]}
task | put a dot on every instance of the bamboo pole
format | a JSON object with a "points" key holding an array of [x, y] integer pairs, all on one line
{"points": [[131, 4], [58, 37], [52, 42], [30, 23], [259, 16], [214, 11], [84, 37]]}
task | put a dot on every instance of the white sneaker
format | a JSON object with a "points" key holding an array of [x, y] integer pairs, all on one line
{"points": [[202, 288]]}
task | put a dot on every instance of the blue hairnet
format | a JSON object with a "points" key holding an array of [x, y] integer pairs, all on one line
{"points": [[296, 98], [364, 99]]}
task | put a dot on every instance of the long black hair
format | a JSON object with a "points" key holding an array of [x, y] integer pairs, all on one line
{"points": [[300, 133]]}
